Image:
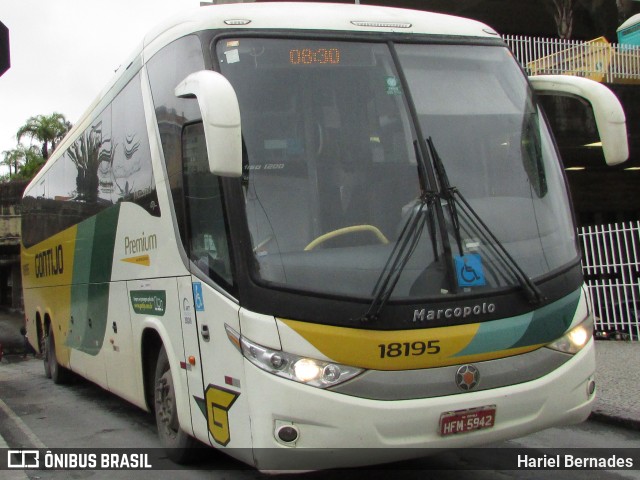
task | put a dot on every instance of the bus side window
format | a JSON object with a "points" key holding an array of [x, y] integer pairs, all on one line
{"points": [[166, 69], [208, 243]]}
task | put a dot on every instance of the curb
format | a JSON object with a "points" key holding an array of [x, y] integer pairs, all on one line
{"points": [[616, 420]]}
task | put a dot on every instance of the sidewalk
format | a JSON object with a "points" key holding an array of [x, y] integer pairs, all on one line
{"points": [[10, 337], [617, 373], [618, 383]]}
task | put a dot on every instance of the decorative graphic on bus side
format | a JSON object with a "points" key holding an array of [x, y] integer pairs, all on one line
{"points": [[440, 346], [149, 302], [219, 401]]}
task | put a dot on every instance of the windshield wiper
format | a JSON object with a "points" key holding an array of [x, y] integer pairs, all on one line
{"points": [[453, 196], [446, 191], [406, 244], [400, 255], [412, 231]]}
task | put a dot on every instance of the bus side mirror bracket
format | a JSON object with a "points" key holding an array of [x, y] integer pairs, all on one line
{"points": [[607, 110], [220, 118]]}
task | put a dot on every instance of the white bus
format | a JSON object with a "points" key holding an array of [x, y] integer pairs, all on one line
{"points": [[296, 227]]}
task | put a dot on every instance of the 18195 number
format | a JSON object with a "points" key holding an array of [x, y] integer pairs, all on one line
{"points": [[409, 349]]}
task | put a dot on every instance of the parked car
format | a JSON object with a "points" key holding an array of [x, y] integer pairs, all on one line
{"points": [[620, 321]]}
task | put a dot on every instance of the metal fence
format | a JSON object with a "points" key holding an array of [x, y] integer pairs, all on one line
{"points": [[611, 265], [596, 59]]}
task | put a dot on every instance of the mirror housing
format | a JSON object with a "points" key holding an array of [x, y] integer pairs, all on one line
{"points": [[607, 110], [220, 118]]}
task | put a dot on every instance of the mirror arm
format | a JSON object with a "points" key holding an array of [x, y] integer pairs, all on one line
{"points": [[220, 112]]}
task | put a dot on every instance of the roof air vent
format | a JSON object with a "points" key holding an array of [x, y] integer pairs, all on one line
{"points": [[366, 23], [237, 21]]}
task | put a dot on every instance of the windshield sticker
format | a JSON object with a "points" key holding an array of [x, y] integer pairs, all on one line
{"points": [[393, 86], [469, 270], [233, 56]]}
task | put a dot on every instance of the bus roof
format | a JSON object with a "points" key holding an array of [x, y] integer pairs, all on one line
{"points": [[348, 18], [318, 16]]}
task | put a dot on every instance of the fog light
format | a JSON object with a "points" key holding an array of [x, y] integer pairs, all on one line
{"points": [[288, 434], [591, 387]]}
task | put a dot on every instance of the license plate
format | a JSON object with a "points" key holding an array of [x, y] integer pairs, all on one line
{"points": [[462, 421]]}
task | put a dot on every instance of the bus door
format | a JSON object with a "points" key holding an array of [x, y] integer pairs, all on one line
{"points": [[222, 405], [223, 408], [192, 358]]}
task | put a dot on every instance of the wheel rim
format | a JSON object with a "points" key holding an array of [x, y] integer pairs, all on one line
{"points": [[165, 405]]}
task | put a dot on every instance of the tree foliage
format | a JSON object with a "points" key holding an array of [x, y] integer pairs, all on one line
{"points": [[563, 16], [25, 161], [48, 130], [45, 133]]}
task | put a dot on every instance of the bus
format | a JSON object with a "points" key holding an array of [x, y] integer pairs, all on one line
{"points": [[344, 229]]}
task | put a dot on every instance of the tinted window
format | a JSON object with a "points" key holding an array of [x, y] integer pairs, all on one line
{"points": [[208, 243], [108, 163], [166, 70], [129, 175]]}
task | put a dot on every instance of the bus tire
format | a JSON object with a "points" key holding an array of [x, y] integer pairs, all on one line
{"points": [[59, 374], [45, 355], [177, 444]]}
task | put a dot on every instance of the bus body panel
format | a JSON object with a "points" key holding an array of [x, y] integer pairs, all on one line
{"points": [[222, 369], [145, 299], [434, 347], [119, 348], [193, 372], [408, 428]]}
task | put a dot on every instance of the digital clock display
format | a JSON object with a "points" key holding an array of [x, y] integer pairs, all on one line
{"points": [[314, 56]]}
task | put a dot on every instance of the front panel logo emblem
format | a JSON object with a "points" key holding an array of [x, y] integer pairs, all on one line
{"points": [[467, 377]]}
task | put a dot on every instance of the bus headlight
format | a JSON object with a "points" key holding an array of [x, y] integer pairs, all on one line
{"points": [[309, 371], [575, 339]]}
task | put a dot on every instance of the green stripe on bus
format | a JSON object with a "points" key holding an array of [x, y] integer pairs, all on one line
{"points": [[551, 321], [94, 246], [535, 328]]}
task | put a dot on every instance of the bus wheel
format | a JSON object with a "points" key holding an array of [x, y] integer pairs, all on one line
{"points": [[59, 374], [177, 444], [45, 355]]}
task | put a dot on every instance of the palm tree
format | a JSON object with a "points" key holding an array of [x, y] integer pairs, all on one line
{"points": [[87, 153], [21, 155], [563, 15], [47, 129]]}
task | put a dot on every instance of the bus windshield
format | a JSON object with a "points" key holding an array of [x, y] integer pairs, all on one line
{"points": [[334, 135]]}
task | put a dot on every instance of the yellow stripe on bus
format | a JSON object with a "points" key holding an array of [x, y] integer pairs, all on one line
{"points": [[397, 349], [50, 264]]}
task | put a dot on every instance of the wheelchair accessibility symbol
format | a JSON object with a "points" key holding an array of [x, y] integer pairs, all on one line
{"points": [[197, 296], [469, 270]]}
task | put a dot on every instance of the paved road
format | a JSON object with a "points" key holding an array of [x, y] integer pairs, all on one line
{"points": [[35, 412]]}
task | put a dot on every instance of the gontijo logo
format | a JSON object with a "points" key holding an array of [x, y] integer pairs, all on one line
{"points": [[49, 262]]}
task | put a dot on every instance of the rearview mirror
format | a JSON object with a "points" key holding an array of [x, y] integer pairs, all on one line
{"points": [[220, 119], [607, 110]]}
